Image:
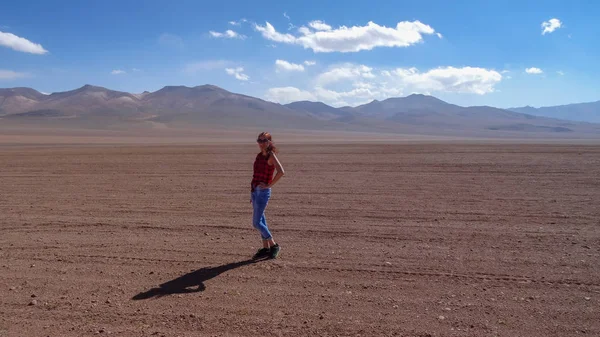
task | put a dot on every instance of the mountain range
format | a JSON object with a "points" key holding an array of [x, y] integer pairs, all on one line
{"points": [[207, 105], [584, 112]]}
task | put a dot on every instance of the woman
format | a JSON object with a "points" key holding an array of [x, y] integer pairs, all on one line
{"points": [[264, 165]]}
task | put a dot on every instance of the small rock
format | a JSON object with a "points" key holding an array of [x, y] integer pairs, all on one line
{"points": [[395, 306], [388, 263], [33, 296], [206, 234], [151, 273], [441, 318], [447, 309], [33, 302], [587, 298], [12, 288], [107, 301]]}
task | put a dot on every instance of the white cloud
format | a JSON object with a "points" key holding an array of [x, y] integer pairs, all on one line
{"points": [[269, 33], [533, 70], [351, 84], [439, 35], [340, 98], [238, 23], [449, 79], [286, 16], [237, 73], [192, 68], [310, 63], [11, 75], [228, 34], [319, 25], [287, 66], [561, 73], [304, 31], [118, 72], [170, 40], [351, 39], [20, 44], [135, 69], [345, 72], [288, 95], [550, 25]]}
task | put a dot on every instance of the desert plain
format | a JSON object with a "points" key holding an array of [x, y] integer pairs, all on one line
{"points": [[402, 238]]}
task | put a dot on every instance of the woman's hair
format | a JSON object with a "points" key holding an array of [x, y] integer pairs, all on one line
{"points": [[271, 147]]}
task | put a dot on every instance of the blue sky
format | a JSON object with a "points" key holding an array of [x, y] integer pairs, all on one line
{"points": [[338, 52]]}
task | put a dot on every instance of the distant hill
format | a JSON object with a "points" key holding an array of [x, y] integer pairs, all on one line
{"points": [[208, 105], [318, 109], [584, 112]]}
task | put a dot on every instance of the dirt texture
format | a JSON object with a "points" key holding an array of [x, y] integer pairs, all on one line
{"points": [[377, 240]]}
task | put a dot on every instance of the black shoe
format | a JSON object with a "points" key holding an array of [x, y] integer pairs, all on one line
{"points": [[274, 251], [263, 252]]}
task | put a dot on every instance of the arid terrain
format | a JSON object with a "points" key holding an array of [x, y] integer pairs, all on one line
{"points": [[407, 239]]}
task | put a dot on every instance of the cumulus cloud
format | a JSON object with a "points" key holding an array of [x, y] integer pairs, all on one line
{"points": [[533, 70], [304, 30], [319, 25], [269, 33], [352, 84], [345, 72], [310, 63], [228, 34], [350, 39], [550, 25], [450, 79], [286, 95], [11, 75], [21, 44], [560, 72], [118, 72], [237, 73], [283, 65]]}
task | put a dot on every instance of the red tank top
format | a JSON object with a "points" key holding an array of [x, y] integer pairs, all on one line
{"points": [[263, 172]]}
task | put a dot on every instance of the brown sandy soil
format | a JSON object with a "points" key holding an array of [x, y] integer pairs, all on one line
{"points": [[377, 240]]}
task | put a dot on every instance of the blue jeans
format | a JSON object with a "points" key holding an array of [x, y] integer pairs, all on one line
{"points": [[260, 199]]}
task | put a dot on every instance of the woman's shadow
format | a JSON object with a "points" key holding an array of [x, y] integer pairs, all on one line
{"points": [[191, 282]]}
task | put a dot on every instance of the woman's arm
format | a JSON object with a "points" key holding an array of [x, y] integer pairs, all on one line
{"points": [[280, 173]]}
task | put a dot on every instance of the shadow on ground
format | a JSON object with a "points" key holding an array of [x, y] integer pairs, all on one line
{"points": [[191, 282]]}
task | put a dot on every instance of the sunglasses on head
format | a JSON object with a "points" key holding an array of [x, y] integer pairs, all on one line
{"points": [[262, 140]]}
